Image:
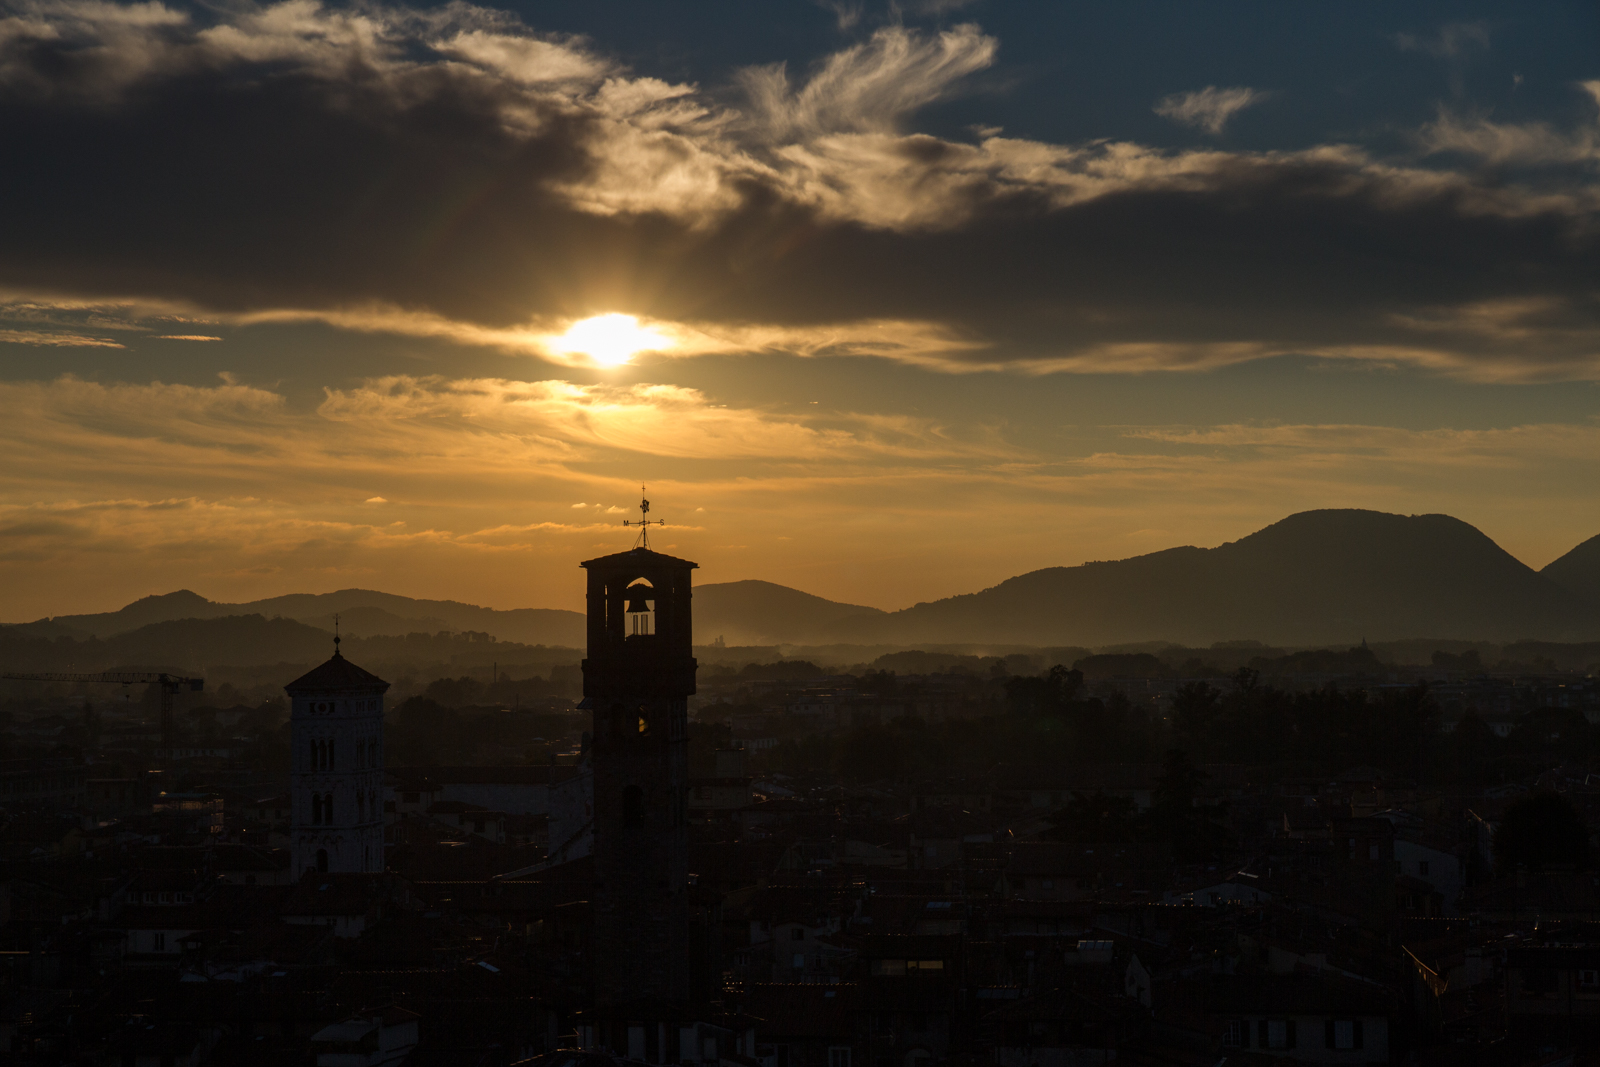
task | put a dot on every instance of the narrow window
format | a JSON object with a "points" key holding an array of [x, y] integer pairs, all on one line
{"points": [[322, 861]]}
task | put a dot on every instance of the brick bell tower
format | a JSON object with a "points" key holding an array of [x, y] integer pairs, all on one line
{"points": [[637, 678]]}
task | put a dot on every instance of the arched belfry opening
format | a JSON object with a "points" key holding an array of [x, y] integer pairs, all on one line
{"points": [[640, 608]]}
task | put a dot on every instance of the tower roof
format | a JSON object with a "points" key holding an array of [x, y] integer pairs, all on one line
{"points": [[637, 557], [337, 673]]}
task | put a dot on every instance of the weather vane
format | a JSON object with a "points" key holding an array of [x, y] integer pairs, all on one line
{"points": [[644, 523]]}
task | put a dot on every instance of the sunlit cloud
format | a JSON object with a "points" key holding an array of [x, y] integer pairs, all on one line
{"points": [[1208, 109], [609, 340], [233, 490], [753, 217]]}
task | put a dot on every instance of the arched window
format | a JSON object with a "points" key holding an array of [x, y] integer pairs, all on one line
{"points": [[329, 754], [322, 861], [640, 607], [361, 807], [632, 806], [316, 809]]}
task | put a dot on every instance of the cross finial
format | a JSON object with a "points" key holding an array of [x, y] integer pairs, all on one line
{"points": [[336, 633], [644, 523]]}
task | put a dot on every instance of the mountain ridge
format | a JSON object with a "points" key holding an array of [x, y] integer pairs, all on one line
{"points": [[1329, 575]]}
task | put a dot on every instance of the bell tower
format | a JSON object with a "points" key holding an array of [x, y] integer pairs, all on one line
{"points": [[637, 678], [336, 768]]}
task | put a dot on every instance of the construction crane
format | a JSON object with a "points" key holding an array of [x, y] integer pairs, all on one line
{"points": [[170, 685]]}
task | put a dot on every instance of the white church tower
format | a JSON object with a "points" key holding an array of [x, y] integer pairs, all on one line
{"points": [[336, 768]]}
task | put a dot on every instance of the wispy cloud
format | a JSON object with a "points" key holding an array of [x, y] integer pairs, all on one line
{"points": [[1452, 41], [1208, 109], [55, 340]]}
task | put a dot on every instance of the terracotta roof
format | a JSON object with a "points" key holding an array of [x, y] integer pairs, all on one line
{"points": [[336, 673]]}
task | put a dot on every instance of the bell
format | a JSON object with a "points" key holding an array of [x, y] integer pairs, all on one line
{"points": [[638, 603]]}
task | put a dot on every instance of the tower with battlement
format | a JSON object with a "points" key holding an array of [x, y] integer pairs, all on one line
{"points": [[637, 678]]}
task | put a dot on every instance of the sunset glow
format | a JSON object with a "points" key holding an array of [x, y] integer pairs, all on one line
{"points": [[610, 340]]}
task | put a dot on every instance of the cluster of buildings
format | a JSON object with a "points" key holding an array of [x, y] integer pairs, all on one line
{"points": [[652, 900]]}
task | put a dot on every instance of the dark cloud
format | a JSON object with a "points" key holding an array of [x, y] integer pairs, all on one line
{"points": [[285, 159]]}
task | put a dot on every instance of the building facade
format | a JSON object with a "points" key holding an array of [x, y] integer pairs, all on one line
{"points": [[637, 678], [336, 769]]}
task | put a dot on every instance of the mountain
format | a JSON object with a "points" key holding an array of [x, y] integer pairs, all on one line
{"points": [[370, 612], [1313, 578], [761, 613], [744, 612], [1318, 577], [1578, 572]]}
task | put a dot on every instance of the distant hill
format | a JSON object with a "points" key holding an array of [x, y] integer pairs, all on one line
{"points": [[761, 613], [1578, 572], [364, 612], [751, 612], [1319, 577], [1316, 577]]}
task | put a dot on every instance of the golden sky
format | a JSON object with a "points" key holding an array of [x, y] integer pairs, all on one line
{"points": [[310, 297]]}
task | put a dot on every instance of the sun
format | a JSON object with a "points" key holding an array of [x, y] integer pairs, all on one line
{"points": [[610, 340]]}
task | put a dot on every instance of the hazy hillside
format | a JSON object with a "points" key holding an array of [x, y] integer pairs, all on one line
{"points": [[762, 613], [239, 641], [1313, 578], [369, 612], [1319, 576], [743, 612], [1578, 571]]}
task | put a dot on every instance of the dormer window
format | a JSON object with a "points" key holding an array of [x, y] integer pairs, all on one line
{"points": [[640, 610]]}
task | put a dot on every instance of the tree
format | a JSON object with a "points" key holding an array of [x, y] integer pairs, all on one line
{"points": [[1094, 817], [1044, 697], [1541, 830], [1195, 707]]}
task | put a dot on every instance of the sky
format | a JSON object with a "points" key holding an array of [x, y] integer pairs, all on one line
{"points": [[883, 302]]}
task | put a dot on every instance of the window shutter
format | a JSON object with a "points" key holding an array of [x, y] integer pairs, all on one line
{"points": [[1357, 1028], [1329, 1038], [1288, 1034]]}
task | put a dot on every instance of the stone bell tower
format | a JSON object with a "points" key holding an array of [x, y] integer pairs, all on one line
{"points": [[336, 768], [637, 678]]}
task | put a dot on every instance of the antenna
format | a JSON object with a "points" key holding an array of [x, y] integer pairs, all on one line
{"points": [[644, 523]]}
